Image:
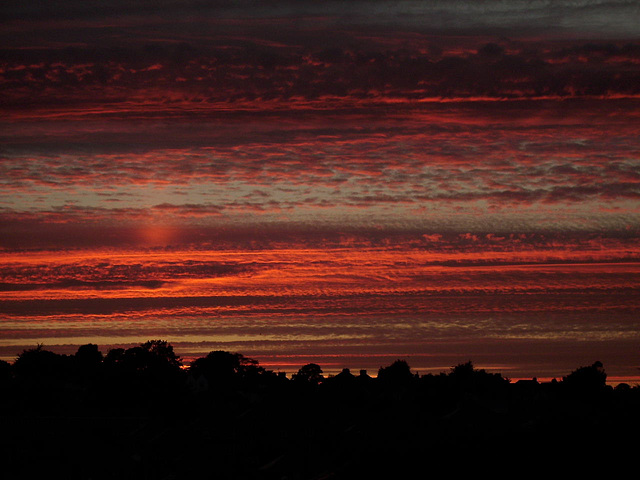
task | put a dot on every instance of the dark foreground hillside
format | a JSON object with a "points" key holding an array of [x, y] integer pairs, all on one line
{"points": [[139, 414]]}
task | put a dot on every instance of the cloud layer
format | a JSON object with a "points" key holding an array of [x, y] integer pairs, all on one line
{"points": [[336, 181]]}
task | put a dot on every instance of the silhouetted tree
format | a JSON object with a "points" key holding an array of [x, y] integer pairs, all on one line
{"points": [[465, 377], [114, 356], [463, 370], [148, 374], [87, 363], [224, 367], [88, 359], [153, 355], [590, 378], [310, 373], [163, 351], [397, 372], [89, 354], [38, 363]]}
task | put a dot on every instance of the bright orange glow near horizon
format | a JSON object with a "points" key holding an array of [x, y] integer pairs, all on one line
{"points": [[345, 304]]}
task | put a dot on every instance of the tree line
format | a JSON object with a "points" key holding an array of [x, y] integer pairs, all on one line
{"points": [[141, 413]]}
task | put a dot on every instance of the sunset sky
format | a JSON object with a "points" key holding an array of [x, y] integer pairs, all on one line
{"points": [[345, 183]]}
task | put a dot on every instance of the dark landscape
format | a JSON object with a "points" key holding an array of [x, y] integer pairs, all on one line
{"points": [[140, 413]]}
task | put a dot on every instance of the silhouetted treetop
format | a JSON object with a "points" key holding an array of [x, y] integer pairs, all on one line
{"points": [[114, 356], [468, 378], [309, 373], [89, 354], [40, 363], [463, 370], [398, 371], [221, 366], [152, 351], [153, 361], [162, 350], [587, 378]]}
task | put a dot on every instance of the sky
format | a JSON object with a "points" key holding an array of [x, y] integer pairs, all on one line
{"points": [[345, 183]]}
